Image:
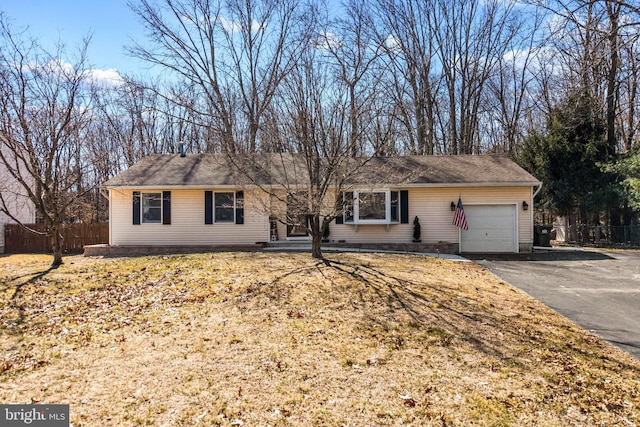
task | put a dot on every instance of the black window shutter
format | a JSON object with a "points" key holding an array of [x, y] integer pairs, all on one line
{"points": [[340, 209], [239, 207], [136, 208], [208, 207], [166, 207], [404, 207]]}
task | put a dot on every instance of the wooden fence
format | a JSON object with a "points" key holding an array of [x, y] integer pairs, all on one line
{"points": [[74, 237]]}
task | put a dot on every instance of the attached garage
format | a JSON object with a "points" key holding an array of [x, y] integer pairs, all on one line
{"points": [[492, 228]]}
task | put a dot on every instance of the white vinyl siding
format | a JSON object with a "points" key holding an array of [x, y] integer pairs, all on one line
{"points": [[433, 207], [187, 226], [22, 208], [18, 203]]}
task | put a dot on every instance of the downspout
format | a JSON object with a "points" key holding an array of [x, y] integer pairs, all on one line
{"points": [[532, 211], [110, 219], [104, 192], [537, 191]]}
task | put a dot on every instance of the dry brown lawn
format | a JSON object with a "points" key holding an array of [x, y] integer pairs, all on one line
{"points": [[253, 339]]}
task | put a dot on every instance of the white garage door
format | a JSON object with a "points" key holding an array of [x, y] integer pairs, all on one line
{"points": [[492, 228]]}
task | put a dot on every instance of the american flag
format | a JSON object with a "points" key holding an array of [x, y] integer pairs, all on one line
{"points": [[459, 219]]}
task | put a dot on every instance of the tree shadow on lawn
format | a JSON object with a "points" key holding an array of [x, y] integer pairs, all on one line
{"points": [[486, 326], [461, 321], [18, 288]]}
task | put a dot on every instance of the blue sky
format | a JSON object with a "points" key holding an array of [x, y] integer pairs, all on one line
{"points": [[110, 22]]}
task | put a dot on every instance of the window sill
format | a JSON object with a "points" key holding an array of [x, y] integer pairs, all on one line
{"points": [[359, 223], [371, 222]]}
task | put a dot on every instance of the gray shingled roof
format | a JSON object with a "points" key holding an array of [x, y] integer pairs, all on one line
{"points": [[202, 170], [159, 170], [463, 169]]}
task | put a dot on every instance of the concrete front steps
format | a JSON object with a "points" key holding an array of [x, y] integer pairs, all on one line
{"points": [[288, 246]]}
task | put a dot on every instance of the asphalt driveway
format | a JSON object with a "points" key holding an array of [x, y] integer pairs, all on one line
{"points": [[599, 290]]}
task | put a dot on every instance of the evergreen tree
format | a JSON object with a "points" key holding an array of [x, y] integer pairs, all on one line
{"points": [[628, 170], [567, 158]]}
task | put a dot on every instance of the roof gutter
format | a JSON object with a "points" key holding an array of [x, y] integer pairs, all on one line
{"points": [[398, 185], [174, 187], [467, 184]]}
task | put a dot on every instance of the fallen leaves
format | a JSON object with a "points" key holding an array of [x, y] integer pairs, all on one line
{"points": [[256, 339], [408, 401]]}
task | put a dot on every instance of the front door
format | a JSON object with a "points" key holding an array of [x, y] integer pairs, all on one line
{"points": [[297, 215]]}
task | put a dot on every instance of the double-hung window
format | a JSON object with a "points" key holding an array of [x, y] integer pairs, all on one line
{"points": [[224, 207], [152, 207]]}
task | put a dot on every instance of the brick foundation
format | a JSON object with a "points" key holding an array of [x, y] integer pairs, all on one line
{"points": [[441, 247]]}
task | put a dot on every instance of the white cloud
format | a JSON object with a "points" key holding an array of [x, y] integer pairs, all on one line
{"points": [[392, 43], [229, 26], [109, 77], [234, 27], [328, 41], [518, 57], [60, 68], [56, 67]]}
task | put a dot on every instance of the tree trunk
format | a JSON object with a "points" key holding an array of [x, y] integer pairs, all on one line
{"points": [[612, 78], [353, 122], [316, 232], [316, 246], [56, 244], [421, 131]]}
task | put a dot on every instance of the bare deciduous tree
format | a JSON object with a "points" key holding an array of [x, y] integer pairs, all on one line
{"points": [[353, 51], [511, 88], [471, 37], [311, 165], [404, 31], [593, 36], [45, 108], [319, 137], [231, 55]]}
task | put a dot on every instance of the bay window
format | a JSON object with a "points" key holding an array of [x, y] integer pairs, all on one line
{"points": [[371, 207]]}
